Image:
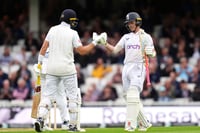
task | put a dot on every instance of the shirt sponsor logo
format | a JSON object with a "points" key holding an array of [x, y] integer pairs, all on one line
{"points": [[136, 46]]}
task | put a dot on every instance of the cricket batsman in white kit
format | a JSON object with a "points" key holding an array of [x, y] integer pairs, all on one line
{"points": [[137, 44], [60, 98], [62, 41]]}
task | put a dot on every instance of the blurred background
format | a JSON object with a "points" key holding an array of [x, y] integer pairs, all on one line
{"points": [[173, 98]]}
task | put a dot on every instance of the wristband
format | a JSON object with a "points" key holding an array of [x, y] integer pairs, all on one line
{"points": [[40, 58], [94, 42]]}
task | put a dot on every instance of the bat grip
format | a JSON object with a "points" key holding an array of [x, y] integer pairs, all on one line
{"points": [[37, 88]]}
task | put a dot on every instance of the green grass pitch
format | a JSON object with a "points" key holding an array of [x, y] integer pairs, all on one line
{"points": [[174, 129]]}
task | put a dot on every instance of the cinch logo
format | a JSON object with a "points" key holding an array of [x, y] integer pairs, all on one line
{"points": [[133, 46]]}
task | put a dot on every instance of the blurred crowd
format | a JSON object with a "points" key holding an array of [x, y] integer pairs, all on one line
{"points": [[174, 73]]}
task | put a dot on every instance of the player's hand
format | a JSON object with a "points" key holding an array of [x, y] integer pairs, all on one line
{"points": [[99, 39], [149, 51], [94, 36], [37, 68]]}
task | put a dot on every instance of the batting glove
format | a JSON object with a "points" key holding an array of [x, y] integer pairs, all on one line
{"points": [[99, 39], [149, 51], [94, 36], [37, 69]]}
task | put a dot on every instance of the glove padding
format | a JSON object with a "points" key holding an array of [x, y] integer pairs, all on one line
{"points": [[149, 51], [99, 39], [37, 68]]}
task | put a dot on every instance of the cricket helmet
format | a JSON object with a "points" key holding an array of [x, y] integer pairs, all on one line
{"points": [[133, 16], [69, 16]]}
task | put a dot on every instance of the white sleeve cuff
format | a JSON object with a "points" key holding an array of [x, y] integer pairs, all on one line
{"points": [[40, 58]]}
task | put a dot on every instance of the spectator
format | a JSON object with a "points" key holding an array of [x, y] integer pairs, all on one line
{"points": [[175, 91], [31, 41], [21, 92], [168, 48], [3, 76], [164, 55], [100, 70], [185, 92], [33, 58], [6, 58], [196, 93], [117, 77], [196, 49], [6, 91], [154, 71], [164, 91], [149, 92], [168, 67], [163, 97], [41, 39], [181, 50], [108, 93], [91, 94], [21, 57], [184, 70], [86, 37], [195, 75], [9, 38], [13, 79], [25, 73]]}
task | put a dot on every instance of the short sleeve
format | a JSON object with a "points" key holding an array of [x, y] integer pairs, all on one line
{"points": [[121, 42], [48, 36], [76, 40], [148, 41]]}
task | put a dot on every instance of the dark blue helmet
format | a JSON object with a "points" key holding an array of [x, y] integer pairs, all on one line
{"points": [[69, 16], [133, 16]]}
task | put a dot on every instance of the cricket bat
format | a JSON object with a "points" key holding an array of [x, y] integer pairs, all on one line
{"points": [[147, 71], [36, 97]]}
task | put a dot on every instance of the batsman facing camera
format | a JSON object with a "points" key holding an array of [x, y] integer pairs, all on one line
{"points": [[133, 16], [138, 46]]}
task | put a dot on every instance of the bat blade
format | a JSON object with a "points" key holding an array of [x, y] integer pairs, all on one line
{"points": [[147, 71], [36, 98], [36, 101]]}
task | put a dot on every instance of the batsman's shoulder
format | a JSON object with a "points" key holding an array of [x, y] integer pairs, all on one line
{"points": [[147, 36]]}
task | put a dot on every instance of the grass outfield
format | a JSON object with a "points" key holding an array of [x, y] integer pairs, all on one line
{"points": [[175, 129]]}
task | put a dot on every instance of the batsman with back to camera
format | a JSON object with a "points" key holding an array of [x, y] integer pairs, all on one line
{"points": [[61, 41], [137, 45], [60, 98]]}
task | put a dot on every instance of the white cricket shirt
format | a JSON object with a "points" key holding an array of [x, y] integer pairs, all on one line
{"points": [[62, 40], [134, 46]]}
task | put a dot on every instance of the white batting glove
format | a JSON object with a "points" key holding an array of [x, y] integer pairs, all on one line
{"points": [[149, 51], [37, 69], [99, 39], [94, 35]]}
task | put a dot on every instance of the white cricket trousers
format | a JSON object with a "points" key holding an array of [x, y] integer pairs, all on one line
{"points": [[70, 86], [133, 74]]}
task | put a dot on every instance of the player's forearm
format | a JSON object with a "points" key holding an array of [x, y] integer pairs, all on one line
{"points": [[109, 47], [44, 47], [83, 50], [113, 49]]}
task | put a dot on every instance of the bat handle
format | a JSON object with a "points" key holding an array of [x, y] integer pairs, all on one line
{"points": [[147, 71], [37, 88]]}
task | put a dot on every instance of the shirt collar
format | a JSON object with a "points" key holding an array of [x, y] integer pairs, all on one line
{"points": [[65, 24], [141, 31]]}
